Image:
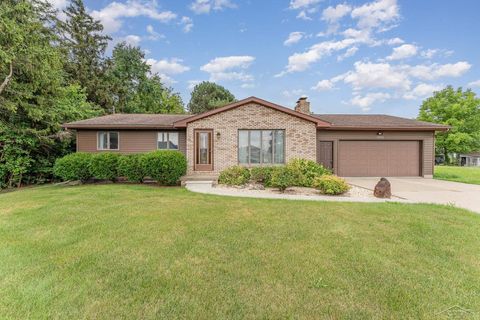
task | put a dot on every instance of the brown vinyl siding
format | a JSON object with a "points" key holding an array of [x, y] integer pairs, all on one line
{"points": [[131, 141], [425, 139]]}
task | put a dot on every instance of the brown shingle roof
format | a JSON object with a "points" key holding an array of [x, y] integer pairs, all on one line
{"points": [[376, 121], [128, 121]]}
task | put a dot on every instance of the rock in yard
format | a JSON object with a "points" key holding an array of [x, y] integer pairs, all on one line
{"points": [[383, 189]]}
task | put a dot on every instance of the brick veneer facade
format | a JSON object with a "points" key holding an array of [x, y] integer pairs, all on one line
{"points": [[300, 134]]}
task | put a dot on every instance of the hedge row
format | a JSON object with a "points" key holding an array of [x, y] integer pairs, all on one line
{"points": [[164, 166], [298, 172]]}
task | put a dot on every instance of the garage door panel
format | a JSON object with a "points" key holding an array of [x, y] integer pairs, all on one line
{"points": [[379, 158]]}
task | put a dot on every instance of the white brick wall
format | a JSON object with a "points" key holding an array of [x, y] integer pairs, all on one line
{"points": [[300, 134]]}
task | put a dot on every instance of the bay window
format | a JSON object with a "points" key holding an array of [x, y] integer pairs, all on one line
{"points": [[261, 147], [167, 140], [107, 140]]}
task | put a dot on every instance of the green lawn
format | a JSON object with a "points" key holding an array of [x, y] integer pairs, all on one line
{"points": [[460, 174], [141, 252]]}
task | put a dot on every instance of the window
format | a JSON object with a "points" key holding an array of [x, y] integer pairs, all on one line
{"points": [[107, 140], [167, 140], [261, 146]]}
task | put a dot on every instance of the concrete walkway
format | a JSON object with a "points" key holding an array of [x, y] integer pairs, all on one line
{"points": [[462, 195], [206, 187], [409, 190]]}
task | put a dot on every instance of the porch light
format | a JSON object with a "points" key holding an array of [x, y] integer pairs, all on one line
{"points": [[379, 133], [218, 134]]}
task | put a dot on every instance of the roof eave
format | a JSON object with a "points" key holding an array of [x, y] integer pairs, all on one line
{"points": [[319, 122], [358, 128], [115, 126]]}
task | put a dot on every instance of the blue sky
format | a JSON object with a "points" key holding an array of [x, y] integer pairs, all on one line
{"points": [[378, 56]]}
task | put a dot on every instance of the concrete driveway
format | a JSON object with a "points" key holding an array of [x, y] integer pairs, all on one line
{"points": [[429, 191]]}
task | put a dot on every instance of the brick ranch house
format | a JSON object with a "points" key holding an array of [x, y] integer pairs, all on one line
{"points": [[254, 132]]}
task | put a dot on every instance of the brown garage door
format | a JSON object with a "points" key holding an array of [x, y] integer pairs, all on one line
{"points": [[378, 158]]}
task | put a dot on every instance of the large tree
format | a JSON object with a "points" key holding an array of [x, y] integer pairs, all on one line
{"points": [[134, 88], [207, 96], [34, 99], [458, 109], [84, 45]]}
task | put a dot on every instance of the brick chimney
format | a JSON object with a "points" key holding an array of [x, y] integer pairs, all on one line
{"points": [[303, 105]]}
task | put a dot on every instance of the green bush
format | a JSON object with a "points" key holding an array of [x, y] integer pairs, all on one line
{"points": [[164, 166], [332, 185], [75, 166], [262, 174], [130, 167], [305, 171], [234, 176], [104, 166], [282, 178]]}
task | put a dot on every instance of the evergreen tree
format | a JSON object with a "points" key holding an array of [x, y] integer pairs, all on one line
{"points": [[84, 44], [207, 96]]}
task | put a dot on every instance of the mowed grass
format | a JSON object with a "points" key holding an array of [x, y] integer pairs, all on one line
{"points": [[459, 174], [142, 252]]}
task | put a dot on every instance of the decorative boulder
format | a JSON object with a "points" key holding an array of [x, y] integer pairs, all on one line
{"points": [[383, 189]]}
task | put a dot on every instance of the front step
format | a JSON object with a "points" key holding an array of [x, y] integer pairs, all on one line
{"points": [[199, 179]]}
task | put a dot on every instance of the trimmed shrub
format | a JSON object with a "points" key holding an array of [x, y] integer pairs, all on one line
{"points": [[305, 171], [75, 166], [332, 185], [130, 167], [164, 166], [262, 174], [104, 166], [282, 178], [234, 176]]}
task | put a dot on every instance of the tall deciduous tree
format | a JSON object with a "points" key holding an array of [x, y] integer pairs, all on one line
{"points": [[207, 96], [134, 88], [84, 44], [458, 109], [34, 100]]}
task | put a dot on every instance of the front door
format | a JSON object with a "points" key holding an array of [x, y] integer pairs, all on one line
{"points": [[203, 150]]}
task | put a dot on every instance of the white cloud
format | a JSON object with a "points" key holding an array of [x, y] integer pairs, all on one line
{"points": [[167, 67], [302, 61], [303, 15], [422, 90], [364, 102], [187, 24], [333, 14], [205, 6], [324, 85], [402, 52], [293, 37], [247, 86], [395, 41], [376, 75], [132, 40], [474, 84], [429, 53], [153, 35], [435, 71], [350, 52], [229, 68], [294, 93], [379, 14], [111, 16], [300, 4], [225, 63]]}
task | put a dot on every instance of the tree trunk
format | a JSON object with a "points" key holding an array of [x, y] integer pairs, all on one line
{"points": [[7, 78]]}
